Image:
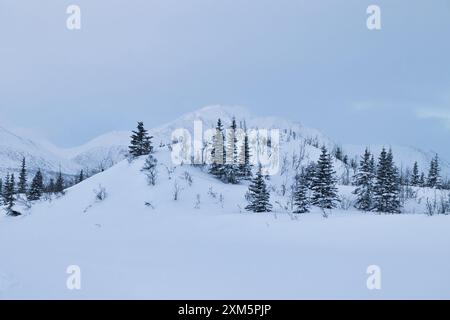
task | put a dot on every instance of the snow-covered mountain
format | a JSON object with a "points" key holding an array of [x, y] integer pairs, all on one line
{"points": [[190, 237], [110, 148], [14, 147]]}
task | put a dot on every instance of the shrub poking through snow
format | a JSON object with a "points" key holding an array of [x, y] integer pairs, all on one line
{"points": [[150, 169], [100, 193]]}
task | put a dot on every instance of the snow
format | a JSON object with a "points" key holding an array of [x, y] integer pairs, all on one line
{"points": [[173, 250], [141, 243]]}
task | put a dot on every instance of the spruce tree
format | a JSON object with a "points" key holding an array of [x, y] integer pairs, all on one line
{"points": [[415, 178], [218, 153], [324, 182], [22, 185], [338, 153], [4, 188], [81, 176], [258, 196], [140, 142], [364, 181], [387, 188], [231, 169], [9, 191], [433, 180], [59, 184], [245, 167], [422, 180], [300, 195], [37, 187], [308, 173]]}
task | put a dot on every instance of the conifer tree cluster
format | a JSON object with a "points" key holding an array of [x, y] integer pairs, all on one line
{"points": [[229, 164], [10, 191]]}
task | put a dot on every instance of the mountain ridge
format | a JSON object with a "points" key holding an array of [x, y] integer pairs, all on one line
{"points": [[111, 147]]}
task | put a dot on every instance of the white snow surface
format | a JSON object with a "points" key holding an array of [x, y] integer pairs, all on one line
{"points": [[169, 249]]}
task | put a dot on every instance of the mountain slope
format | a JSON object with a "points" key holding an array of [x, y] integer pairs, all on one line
{"points": [[141, 243], [14, 147], [110, 148]]}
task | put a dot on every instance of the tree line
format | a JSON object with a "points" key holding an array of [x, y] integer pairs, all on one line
{"points": [[12, 190]]}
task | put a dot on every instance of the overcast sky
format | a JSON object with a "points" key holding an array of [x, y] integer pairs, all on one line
{"points": [[313, 61]]}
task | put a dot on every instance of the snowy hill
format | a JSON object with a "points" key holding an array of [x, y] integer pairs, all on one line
{"points": [[101, 152], [141, 242], [110, 148]]}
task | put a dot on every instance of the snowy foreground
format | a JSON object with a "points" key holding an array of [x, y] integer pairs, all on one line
{"points": [[211, 249]]}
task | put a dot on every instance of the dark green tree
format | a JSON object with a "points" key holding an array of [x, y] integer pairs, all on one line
{"points": [[22, 185], [415, 178], [387, 187], [140, 142], [434, 179], [245, 166], [258, 196], [324, 182], [59, 184], [37, 187], [364, 181], [300, 195]]}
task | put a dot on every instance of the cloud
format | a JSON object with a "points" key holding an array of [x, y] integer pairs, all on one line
{"points": [[440, 114]]}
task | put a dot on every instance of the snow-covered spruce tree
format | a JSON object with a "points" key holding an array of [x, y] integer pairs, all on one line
{"points": [[258, 196], [59, 184], [415, 177], [422, 180], [338, 154], [22, 185], [308, 173], [4, 186], [245, 167], [218, 152], [324, 182], [231, 169], [9, 191], [364, 182], [140, 142], [150, 170], [1, 191], [37, 187], [434, 179], [80, 176], [300, 194], [387, 188]]}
